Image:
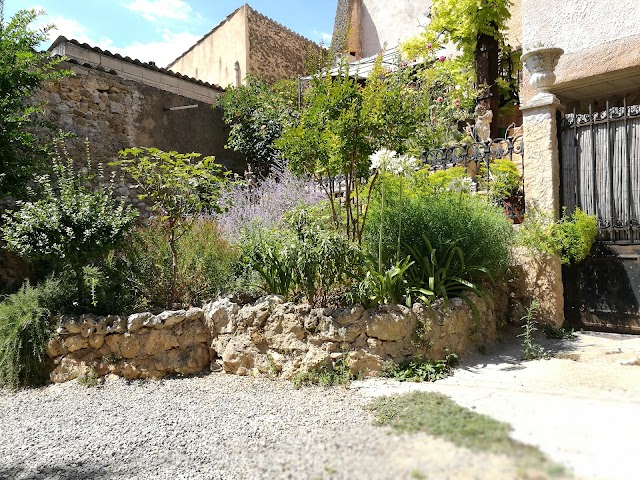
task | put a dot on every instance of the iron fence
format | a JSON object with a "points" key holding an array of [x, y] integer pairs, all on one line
{"points": [[600, 168], [476, 155]]}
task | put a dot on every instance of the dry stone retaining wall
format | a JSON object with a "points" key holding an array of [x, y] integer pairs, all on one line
{"points": [[269, 336]]}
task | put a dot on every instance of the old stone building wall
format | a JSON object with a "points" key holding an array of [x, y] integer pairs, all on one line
{"points": [[378, 23], [275, 52], [114, 113], [246, 43]]}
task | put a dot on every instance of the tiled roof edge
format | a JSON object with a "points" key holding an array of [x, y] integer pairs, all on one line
{"points": [[62, 39]]}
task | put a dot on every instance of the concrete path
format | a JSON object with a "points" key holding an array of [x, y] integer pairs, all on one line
{"points": [[581, 406]]}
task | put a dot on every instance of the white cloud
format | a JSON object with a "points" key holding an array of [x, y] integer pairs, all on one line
{"points": [[161, 51], [155, 10], [326, 38], [165, 49], [71, 29]]}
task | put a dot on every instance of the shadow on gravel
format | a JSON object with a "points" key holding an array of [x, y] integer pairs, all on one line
{"points": [[78, 472]]}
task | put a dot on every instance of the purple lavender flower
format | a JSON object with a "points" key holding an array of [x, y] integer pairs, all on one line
{"points": [[264, 205]]}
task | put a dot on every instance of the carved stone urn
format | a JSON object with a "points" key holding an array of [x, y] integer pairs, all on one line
{"points": [[541, 63]]}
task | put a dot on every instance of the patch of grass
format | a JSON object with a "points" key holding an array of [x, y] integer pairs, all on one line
{"points": [[438, 415]]}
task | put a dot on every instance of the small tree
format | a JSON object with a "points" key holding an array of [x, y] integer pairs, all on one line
{"points": [[72, 223], [179, 187], [477, 28], [257, 113], [342, 123], [22, 71]]}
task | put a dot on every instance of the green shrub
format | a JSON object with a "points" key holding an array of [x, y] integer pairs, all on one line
{"points": [[440, 180], [479, 230], [506, 180], [576, 234], [71, 224], [204, 270], [306, 257], [24, 331], [179, 187], [571, 237]]}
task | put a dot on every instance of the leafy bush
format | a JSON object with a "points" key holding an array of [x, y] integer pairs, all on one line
{"points": [[576, 234], [257, 114], [571, 237], [305, 257], [24, 332], [382, 285], [431, 278], [72, 224], [204, 271], [479, 230], [506, 179], [23, 69], [179, 187], [440, 180]]}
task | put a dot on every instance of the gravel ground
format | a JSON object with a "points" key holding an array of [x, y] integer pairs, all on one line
{"points": [[217, 427]]}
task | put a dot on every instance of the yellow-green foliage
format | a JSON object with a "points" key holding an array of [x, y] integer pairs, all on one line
{"points": [[570, 238], [506, 179], [440, 180], [576, 234]]}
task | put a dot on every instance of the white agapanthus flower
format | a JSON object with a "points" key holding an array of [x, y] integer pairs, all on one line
{"points": [[462, 184], [404, 165], [389, 161], [382, 159]]}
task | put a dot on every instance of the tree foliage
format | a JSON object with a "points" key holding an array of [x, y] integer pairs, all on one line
{"points": [[22, 71], [257, 113], [178, 187], [343, 122]]}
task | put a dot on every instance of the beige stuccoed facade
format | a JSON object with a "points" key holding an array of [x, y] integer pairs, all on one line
{"points": [[246, 43], [372, 25], [601, 41]]}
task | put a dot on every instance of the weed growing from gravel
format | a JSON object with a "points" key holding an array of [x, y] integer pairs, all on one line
{"points": [[89, 379], [325, 376], [530, 349], [438, 415], [422, 371]]}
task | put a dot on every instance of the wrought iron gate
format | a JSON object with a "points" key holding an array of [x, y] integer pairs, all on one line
{"points": [[600, 168]]}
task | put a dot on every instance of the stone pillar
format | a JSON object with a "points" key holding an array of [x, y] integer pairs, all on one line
{"points": [[543, 275]]}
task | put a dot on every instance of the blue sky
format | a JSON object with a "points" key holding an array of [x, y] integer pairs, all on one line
{"points": [[160, 30]]}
